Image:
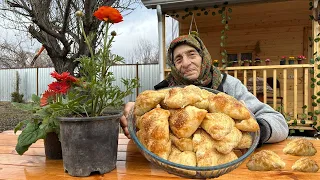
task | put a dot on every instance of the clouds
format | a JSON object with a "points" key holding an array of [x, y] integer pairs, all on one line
{"points": [[142, 23]]}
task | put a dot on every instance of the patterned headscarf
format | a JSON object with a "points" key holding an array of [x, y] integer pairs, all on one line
{"points": [[208, 73]]}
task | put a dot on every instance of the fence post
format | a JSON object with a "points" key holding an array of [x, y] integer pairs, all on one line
{"points": [[137, 76], [37, 76]]}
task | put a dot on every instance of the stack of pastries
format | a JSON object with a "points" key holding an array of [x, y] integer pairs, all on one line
{"points": [[192, 126]]}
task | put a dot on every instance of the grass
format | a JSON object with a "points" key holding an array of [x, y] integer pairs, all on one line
{"points": [[10, 116]]}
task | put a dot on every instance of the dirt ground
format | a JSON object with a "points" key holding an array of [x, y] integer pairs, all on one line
{"points": [[10, 116]]}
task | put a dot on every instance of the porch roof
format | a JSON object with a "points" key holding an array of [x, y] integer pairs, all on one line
{"points": [[168, 5]]}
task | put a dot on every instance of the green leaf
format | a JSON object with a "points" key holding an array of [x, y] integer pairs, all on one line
{"points": [[35, 98], [311, 17], [304, 107], [229, 10], [317, 112], [28, 136], [215, 6], [315, 118], [292, 131], [314, 104], [316, 39], [20, 125], [222, 37], [310, 113], [303, 121], [312, 85], [313, 79], [213, 13], [318, 100], [222, 44], [314, 123], [311, 71], [313, 97], [318, 93], [318, 75], [301, 130]]}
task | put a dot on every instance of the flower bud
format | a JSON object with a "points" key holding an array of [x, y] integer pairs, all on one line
{"points": [[79, 13], [113, 33]]}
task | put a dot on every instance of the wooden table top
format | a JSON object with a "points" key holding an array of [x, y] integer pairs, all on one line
{"points": [[131, 164]]}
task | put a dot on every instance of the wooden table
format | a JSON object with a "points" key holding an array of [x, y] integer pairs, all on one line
{"points": [[131, 164]]}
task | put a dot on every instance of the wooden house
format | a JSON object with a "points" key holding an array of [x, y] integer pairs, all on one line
{"points": [[250, 29]]}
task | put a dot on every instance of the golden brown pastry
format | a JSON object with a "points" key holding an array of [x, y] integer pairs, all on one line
{"points": [[300, 147], [207, 157], [265, 160], [187, 158], [184, 122], [305, 164], [228, 105], [183, 144], [147, 100], [225, 158], [201, 139], [250, 125], [154, 132], [181, 97], [218, 125], [245, 142], [204, 103], [229, 142]]}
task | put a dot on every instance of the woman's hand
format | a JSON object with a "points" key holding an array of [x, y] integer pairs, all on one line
{"points": [[123, 119]]}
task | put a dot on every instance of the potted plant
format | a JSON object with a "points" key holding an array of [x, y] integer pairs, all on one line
{"points": [[257, 61], [216, 62], [246, 62], [291, 60], [83, 111], [283, 60], [267, 61], [301, 59], [235, 63]]}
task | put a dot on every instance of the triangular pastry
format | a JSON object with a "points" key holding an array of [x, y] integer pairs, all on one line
{"points": [[249, 125], [305, 164], [300, 147], [265, 160], [228, 105], [148, 100]]}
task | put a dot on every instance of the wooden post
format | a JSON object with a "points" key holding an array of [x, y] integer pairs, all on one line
{"points": [[164, 44]]}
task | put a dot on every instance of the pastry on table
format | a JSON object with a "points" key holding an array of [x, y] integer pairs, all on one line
{"points": [[154, 132], [249, 125], [148, 100], [228, 105], [265, 160], [204, 103], [305, 164], [181, 97], [184, 122], [245, 142], [218, 125], [183, 144], [300, 147], [229, 142]]}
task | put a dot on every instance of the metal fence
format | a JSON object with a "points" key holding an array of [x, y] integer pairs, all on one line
{"points": [[36, 80]]}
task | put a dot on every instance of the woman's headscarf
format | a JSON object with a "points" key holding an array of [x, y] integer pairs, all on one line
{"points": [[208, 73]]}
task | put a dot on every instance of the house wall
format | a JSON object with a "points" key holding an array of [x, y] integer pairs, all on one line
{"points": [[282, 28]]}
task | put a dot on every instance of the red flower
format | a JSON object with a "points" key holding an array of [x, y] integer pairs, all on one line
{"points": [[59, 87], [109, 14], [65, 76], [47, 96]]}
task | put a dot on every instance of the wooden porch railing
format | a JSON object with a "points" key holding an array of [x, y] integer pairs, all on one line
{"points": [[244, 72]]}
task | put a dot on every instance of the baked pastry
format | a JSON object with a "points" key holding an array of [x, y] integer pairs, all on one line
{"points": [[300, 147], [183, 144], [184, 122], [201, 139], [187, 158], [305, 164], [245, 142], [154, 132], [204, 103], [229, 142], [228, 105], [147, 100], [265, 160], [250, 125], [181, 97], [218, 125]]}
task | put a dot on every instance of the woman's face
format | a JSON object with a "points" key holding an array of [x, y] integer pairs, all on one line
{"points": [[188, 61]]}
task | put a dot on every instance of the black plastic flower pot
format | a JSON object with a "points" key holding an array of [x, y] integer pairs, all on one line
{"points": [[90, 144], [52, 146]]}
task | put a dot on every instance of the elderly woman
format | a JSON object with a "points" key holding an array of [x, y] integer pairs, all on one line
{"points": [[191, 63]]}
